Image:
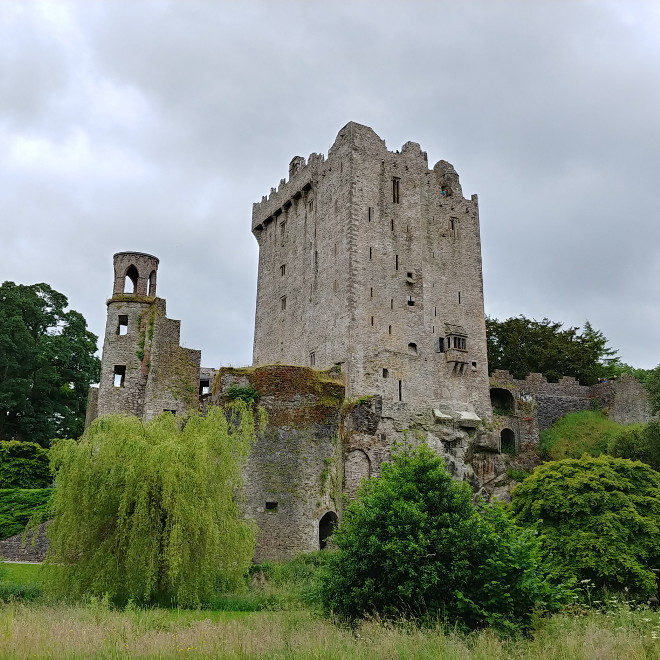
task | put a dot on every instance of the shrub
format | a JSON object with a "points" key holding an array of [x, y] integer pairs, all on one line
{"points": [[248, 393], [413, 544], [599, 520], [639, 442], [587, 431], [24, 465], [19, 505], [148, 511]]}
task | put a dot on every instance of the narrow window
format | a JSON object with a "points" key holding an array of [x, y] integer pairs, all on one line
{"points": [[122, 324], [435, 311], [372, 321], [396, 262], [400, 392], [474, 366], [283, 302], [389, 329], [370, 253], [409, 275], [451, 224], [312, 359], [283, 270], [204, 387], [383, 437], [432, 329], [335, 249], [310, 206], [119, 375], [371, 292], [440, 345], [395, 189], [459, 297], [370, 214], [282, 227], [411, 301], [271, 506], [386, 373], [316, 261], [392, 224], [152, 283], [391, 303]]}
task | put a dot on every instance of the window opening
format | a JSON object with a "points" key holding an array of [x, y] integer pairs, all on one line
{"points": [[458, 342], [119, 375], [459, 297], [412, 348], [131, 280], [312, 359], [440, 345], [383, 437], [282, 227], [371, 292], [316, 261], [396, 262], [386, 373], [327, 525], [204, 387], [411, 301], [446, 192], [271, 506], [409, 275], [152, 283], [370, 253], [395, 189], [389, 329], [370, 213], [283, 302], [283, 270], [122, 324], [392, 224], [391, 303], [372, 321], [435, 311], [508, 441], [400, 397]]}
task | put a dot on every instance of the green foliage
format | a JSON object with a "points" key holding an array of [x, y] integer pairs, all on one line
{"points": [[20, 581], [248, 393], [19, 505], [516, 474], [148, 511], [652, 384], [46, 364], [24, 465], [413, 544], [584, 432], [599, 520], [523, 346], [639, 442]]}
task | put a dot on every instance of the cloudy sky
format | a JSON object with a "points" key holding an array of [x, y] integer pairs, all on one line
{"points": [[153, 126]]}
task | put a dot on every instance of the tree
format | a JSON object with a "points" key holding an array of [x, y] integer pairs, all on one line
{"points": [[598, 519], [639, 442], [149, 511], [414, 544], [46, 364], [523, 346]]}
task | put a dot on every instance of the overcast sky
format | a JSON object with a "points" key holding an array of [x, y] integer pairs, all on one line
{"points": [[154, 126]]}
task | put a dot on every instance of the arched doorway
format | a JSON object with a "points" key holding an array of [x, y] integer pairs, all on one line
{"points": [[508, 441], [327, 525], [357, 467], [502, 401]]}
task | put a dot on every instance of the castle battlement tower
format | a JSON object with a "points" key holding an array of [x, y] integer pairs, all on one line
{"points": [[371, 260]]}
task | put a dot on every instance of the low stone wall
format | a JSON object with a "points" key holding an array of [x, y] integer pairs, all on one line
{"points": [[32, 549]]}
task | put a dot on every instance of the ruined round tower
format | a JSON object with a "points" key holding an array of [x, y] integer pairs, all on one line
{"points": [[125, 364]]}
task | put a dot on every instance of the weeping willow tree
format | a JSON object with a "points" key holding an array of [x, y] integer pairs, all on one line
{"points": [[149, 511]]}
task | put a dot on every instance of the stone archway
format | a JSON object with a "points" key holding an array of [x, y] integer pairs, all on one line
{"points": [[502, 401], [508, 441], [327, 525]]}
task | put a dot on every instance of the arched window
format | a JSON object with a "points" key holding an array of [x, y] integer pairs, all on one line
{"points": [[508, 441], [131, 279], [152, 283], [327, 525], [412, 348], [502, 401]]}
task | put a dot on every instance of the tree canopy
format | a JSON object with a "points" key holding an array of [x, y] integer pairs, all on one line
{"points": [[148, 511], [47, 363], [523, 346], [414, 544]]}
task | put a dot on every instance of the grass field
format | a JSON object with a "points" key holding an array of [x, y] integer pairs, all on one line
{"points": [[280, 626]]}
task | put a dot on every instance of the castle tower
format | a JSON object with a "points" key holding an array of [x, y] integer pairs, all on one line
{"points": [[144, 370], [371, 260]]}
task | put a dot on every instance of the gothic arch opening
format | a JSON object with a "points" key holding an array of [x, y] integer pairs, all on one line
{"points": [[508, 441], [152, 283], [412, 348], [327, 525], [131, 279], [502, 401], [357, 467]]}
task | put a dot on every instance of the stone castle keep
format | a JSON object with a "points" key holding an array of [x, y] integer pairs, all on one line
{"points": [[369, 329]]}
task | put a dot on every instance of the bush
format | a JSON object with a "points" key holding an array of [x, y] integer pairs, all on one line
{"points": [[19, 505], [148, 511], [599, 520], [24, 465], [638, 442], [587, 431], [413, 544]]}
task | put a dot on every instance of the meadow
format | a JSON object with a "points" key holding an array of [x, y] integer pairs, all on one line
{"points": [[271, 620]]}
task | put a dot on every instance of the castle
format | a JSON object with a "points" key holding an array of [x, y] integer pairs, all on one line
{"points": [[369, 328]]}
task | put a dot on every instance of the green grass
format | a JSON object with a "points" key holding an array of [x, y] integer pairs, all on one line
{"points": [[20, 581], [586, 432]]}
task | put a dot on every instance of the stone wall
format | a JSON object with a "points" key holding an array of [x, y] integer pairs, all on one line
{"points": [[293, 474], [32, 548]]}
